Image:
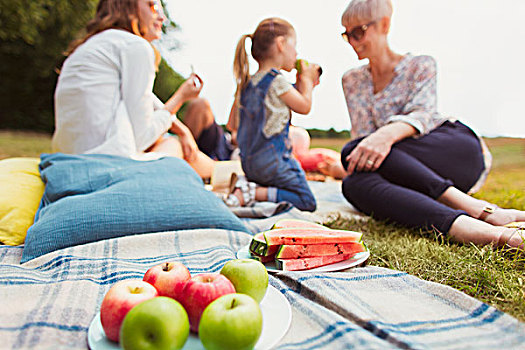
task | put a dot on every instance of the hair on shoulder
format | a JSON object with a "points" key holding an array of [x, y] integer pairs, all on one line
{"points": [[110, 14], [113, 14]]}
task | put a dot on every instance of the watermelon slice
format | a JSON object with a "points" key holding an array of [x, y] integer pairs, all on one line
{"points": [[258, 246], [294, 223], [309, 236], [309, 263], [312, 250]]}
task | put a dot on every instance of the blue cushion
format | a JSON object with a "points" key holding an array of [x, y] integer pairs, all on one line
{"points": [[89, 198]]}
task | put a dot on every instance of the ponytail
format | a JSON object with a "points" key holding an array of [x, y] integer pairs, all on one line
{"points": [[262, 40], [241, 66]]}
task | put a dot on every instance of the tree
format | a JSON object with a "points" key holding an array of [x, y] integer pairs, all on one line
{"points": [[33, 36]]}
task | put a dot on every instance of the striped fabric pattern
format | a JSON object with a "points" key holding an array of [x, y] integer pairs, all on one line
{"points": [[49, 302], [330, 203]]}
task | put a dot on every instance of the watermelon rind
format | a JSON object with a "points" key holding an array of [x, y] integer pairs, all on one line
{"points": [[262, 258], [309, 236], [312, 250], [259, 247], [309, 263]]}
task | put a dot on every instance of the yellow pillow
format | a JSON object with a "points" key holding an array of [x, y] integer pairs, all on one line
{"points": [[21, 189]]}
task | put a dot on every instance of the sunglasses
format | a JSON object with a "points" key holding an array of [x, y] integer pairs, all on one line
{"points": [[357, 32]]}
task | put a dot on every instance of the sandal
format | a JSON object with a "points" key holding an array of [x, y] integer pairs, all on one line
{"points": [[247, 190], [516, 224]]}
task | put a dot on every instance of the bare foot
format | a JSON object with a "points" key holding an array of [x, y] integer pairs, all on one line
{"points": [[315, 177], [238, 193], [466, 229], [332, 168], [456, 199]]}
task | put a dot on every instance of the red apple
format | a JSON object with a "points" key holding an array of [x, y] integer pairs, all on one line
{"points": [[200, 291], [168, 278], [121, 298]]}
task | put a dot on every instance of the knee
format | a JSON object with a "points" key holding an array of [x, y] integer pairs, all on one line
{"points": [[356, 191], [300, 139], [199, 103], [199, 108], [307, 204], [306, 200], [348, 186], [169, 146]]}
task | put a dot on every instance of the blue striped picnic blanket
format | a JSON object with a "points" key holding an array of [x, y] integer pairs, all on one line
{"points": [[330, 203], [49, 302]]}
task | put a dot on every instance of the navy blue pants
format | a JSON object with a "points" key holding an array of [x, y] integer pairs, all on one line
{"points": [[214, 143], [417, 171]]}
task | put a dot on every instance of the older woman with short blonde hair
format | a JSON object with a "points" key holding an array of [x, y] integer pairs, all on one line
{"points": [[406, 162]]}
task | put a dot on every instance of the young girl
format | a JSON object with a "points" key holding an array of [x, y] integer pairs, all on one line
{"points": [[262, 110]]}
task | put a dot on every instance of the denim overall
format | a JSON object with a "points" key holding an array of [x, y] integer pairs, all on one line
{"points": [[269, 161]]}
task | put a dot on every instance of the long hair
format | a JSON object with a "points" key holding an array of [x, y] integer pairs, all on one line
{"points": [[113, 14], [262, 40]]}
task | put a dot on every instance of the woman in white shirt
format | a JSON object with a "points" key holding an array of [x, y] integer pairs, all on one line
{"points": [[104, 101]]}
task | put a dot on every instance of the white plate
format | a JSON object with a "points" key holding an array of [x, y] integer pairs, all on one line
{"points": [[356, 260], [277, 316]]}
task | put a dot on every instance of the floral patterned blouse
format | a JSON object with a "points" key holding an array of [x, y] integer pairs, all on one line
{"points": [[410, 97]]}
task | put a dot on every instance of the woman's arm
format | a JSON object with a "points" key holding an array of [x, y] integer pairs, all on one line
{"points": [[137, 73], [186, 139], [370, 153], [148, 124], [187, 91], [416, 117]]}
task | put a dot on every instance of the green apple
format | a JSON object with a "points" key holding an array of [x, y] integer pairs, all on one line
{"points": [[158, 323], [233, 321], [298, 65], [248, 276]]}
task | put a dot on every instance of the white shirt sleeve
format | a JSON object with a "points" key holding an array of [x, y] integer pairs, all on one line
{"points": [[138, 74], [157, 103]]}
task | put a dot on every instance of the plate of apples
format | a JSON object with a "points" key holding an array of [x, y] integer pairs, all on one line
{"points": [[170, 309]]}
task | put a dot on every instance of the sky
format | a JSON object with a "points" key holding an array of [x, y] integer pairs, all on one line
{"points": [[479, 46]]}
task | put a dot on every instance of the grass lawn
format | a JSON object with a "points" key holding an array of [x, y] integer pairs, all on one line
{"points": [[491, 275]]}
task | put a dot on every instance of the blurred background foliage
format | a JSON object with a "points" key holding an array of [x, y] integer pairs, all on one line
{"points": [[33, 36]]}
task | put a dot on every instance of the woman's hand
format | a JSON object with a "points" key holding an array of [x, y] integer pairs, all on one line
{"points": [[186, 139], [188, 90], [191, 88], [189, 146], [369, 154]]}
